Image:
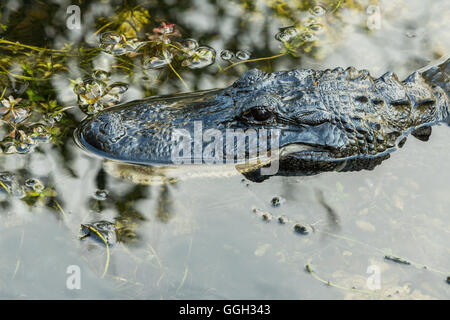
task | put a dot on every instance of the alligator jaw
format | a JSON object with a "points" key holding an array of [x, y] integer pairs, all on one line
{"points": [[300, 149]]}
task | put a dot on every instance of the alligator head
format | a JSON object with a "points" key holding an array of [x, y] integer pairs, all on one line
{"points": [[322, 120]]}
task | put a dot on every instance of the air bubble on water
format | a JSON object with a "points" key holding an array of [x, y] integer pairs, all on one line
{"points": [[83, 100], [133, 45], [291, 31], [94, 88], [112, 43], [34, 184], [7, 176], [109, 38], [79, 89], [286, 34], [118, 45], [100, 75], [100, 195], [23, 148], [94, 94], [282, 37], [117, 51], [307, 36], [204, 56], [9, 148], [25, 139], [226, 55], [40, 134], [55, 118], [93, 108], [50, 120], [39, 129], [315, 27], [190, 44], [19, 115], [110, 99], [411, 34], [58, 116], [91, 91], [318, 11], [9, 180], [154, 63], [157, 62], [117, 88], [243, 55]]}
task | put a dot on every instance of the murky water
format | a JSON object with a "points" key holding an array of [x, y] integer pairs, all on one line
{"points": [[199, 236]]}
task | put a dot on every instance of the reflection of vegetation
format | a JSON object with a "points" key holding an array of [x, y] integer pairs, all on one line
{"points": [[32, 191], [128, 21], [164, 212], [128, 217], [146, 49]]}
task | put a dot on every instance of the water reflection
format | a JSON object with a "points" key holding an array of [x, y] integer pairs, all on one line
{"points": [[197, 236]]}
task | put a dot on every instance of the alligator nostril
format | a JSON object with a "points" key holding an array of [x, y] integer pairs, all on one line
{"points": [[377, 101], [400, 103], [362, 99], [426, 103]]}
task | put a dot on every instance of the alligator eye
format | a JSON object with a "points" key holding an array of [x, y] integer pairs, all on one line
{"points": [[258, 114]]}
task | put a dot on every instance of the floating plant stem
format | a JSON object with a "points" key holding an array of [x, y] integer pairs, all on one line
{"points": [[337, 6], [331, 284], [18, 44], [416, 264], [179, 77], [107, 248], [125, 280], [20, 76], [165, 44], [60, 209], [155, 255], [125, 61], [60, 111], [101, 28], [4, 187], [16, 268], [121, 67], [183, 280]]}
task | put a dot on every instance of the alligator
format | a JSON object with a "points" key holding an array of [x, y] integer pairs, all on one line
{"points": [[330, 120]]}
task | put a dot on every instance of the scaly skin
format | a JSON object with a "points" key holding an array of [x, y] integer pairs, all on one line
{"points": [[328, 120]]}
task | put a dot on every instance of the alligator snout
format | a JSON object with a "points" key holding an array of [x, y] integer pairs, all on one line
{"points": [[102, 132]]}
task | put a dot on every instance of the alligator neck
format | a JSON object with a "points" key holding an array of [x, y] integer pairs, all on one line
{"points": [[438, 74]]}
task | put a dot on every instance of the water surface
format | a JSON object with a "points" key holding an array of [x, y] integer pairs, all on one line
{"points": [[199, 237]]}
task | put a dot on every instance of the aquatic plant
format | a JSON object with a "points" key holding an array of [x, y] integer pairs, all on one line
{"points": [[94, 93]]}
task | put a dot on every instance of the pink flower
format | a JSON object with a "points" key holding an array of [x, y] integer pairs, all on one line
{"points": [[165, 28]]}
